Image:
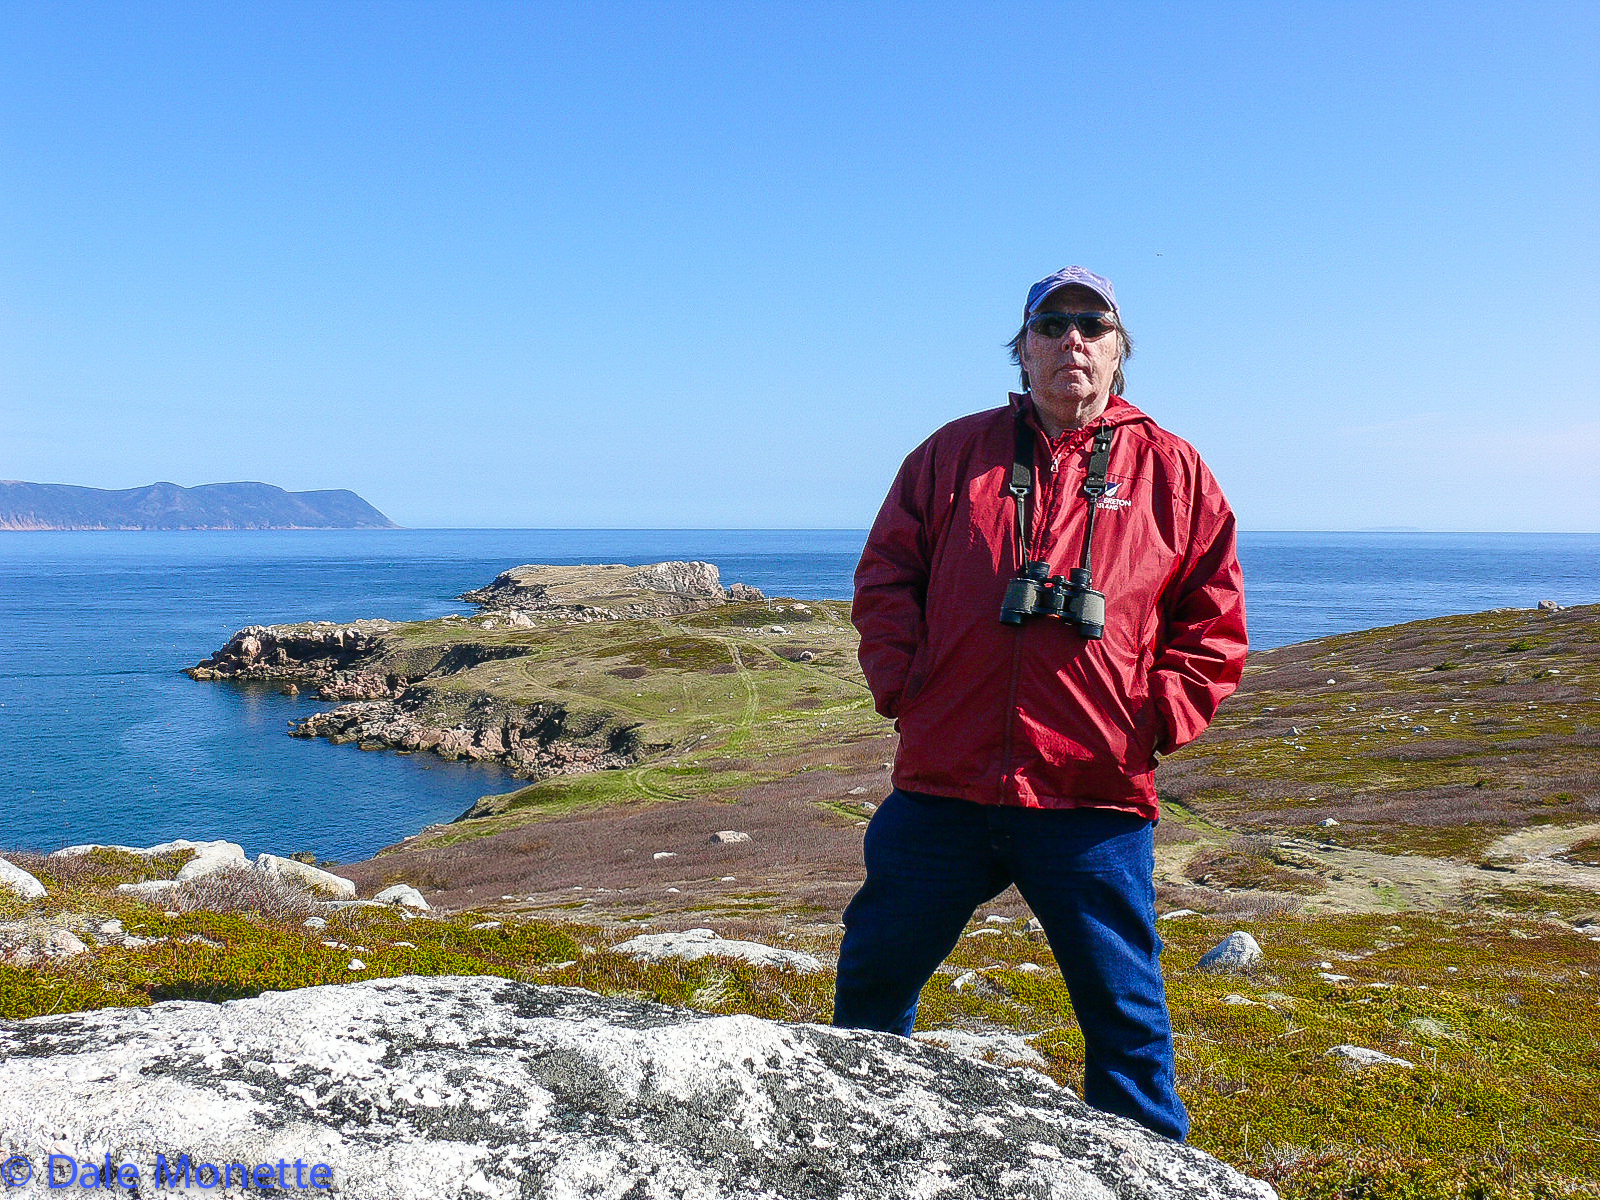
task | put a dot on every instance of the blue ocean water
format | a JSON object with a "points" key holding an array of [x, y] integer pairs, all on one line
{"points": [[103, 739]]}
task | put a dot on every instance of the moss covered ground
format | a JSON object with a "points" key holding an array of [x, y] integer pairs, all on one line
{"points": [[1499, 1011]]}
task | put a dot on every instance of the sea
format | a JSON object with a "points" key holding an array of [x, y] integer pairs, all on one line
{"points": [[103, 740]]}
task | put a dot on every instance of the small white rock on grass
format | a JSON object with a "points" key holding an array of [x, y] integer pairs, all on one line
{"points": [[1358, 1058], [1238, 952], [693, 944]]}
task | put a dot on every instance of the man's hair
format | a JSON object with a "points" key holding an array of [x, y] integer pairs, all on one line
{"points": [[1124, 346]]}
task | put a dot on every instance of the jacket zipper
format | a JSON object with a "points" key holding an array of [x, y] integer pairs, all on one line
{"points": [[1043, 514]]}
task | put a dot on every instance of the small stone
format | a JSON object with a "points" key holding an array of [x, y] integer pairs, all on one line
{"points": [[1238, 952], [1329, 681], [356, 965], [727, 837], [729, 879], [1176, 913], [1235, 998], [965, 980], [63, 943], [1435, 1030], [996, 919], [485, 925], [1033, 926], [1325, 965], [1549, 606], [315, 922], [1030, 968], [660, 854], [1328, 822], [857, 791], [1330, 977], [111, 928], [1452, 970], [1357, 1058]]}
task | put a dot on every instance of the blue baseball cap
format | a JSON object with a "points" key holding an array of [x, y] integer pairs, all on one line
{"points": [[1066, 277]]}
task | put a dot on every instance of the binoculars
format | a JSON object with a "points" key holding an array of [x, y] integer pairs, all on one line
{"points": [[1034, 592]]}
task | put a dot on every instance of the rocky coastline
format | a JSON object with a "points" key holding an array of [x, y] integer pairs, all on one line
{"points": [[399, 682]]}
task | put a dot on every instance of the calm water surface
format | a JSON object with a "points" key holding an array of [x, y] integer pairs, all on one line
{"points": [[105, 741]]}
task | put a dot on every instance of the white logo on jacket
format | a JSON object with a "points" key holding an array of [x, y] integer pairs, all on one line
{"points": [[1111, 500]]}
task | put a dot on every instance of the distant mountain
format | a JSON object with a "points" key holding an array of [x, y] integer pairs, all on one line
{"points": [[168, 506]]}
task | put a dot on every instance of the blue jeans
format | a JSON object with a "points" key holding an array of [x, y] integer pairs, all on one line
{"points": [[1087, 875]]}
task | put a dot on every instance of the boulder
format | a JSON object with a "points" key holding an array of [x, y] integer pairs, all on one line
{"points": [[402, 894], [15, 879], [311, 877], [703, 943], [443, 1088], [729, 836], [1236, 953], [209, 858]]}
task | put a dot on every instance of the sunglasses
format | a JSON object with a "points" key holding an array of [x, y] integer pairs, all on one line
{"points": [[1055, 324]]}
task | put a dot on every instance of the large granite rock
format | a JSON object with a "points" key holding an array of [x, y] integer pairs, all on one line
{"points": [[490, 1088]]}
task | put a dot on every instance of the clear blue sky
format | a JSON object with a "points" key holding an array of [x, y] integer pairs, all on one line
{"points": [[707, 264]]}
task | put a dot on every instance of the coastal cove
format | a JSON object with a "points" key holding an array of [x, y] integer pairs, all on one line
{"points": [[107, 742]]}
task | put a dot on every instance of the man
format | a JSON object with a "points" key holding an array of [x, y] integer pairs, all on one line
{"points": [[1027, 744]]}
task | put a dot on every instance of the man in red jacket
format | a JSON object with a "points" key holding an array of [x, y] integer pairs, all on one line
{"points": [[1049, 597]]}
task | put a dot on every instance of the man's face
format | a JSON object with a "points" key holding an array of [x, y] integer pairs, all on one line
{"points": [[1070, 369]]}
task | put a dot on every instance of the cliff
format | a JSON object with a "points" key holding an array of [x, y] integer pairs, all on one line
{"points": [[34, 506]]}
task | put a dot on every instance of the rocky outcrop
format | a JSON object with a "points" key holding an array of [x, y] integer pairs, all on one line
{"points": [[608, 592], [319, 653], [533, 741], [492, 1088], [389, 710]]}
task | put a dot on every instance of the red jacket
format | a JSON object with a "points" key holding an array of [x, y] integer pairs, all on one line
{"points": [[1036, 715]]}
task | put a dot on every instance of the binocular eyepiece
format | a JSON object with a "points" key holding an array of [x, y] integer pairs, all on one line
{"points": [[1034, 592]]}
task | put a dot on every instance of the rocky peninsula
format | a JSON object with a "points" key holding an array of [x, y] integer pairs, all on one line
{"points": [[564, 670]]}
